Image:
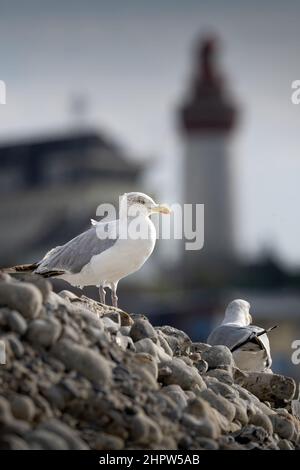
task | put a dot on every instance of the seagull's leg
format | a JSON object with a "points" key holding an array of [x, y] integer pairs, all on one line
{"points": [[102, 294], [114, 297]]}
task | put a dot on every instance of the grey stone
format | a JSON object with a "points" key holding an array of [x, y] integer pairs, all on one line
{"points": [[106, 442], [202, 366], [220, 403], [114, 316], [177, 394], [23, 407], [16, 322], [110, 325], [143, 429], [38, 281], [180, 373], [221, 388], [125, 342], [164, 343], [199, 347], [283, 426], [13, 442], [44, 332], [284, 444], [91, 365], [263, 421], [23, 297], [207, 443], [142, 329], [42, 439], [74, 442], [201, 426], [146, 345], [16, 346], [222, 375], [68, 295], [178, 341], [217, 356], [148, 363], [125, 330]]}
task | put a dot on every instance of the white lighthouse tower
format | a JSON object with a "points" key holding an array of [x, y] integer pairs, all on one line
{"points": [[207, 119]]}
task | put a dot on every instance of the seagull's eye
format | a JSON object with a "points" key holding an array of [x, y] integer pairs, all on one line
{"points": [[141, 201]]}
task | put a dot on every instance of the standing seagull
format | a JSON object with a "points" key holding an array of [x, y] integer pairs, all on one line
{"points": [[249, 344], [106, 252]]}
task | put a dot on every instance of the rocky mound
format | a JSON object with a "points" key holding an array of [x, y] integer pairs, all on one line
{"points": [[79, 375]]}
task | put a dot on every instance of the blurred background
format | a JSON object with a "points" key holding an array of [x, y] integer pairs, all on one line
{"points": [[189, 102]]}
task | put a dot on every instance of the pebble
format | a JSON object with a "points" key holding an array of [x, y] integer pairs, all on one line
{"points": [[44, 332], [22, 407], [164, 343], [44, 286], [74, 442], [148, 362], [106, 442], [16, 322], [284, 444], [175, 371], [201, 426], [125, 342], [220, 403], [146, 345], [222, 375], [207, 444], [177, 394], [178, 340], [23, 297], [263, 421], [199, 347], [87, 362], [46, 440], [142, 329], [110, 325], [217, 356], [283, 426]]}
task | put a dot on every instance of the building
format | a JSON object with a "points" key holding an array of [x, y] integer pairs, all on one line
{"points": [[50, 187], [207, 120]]}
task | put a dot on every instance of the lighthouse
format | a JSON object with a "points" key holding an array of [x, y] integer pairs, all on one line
{"points": [[207, 119]]}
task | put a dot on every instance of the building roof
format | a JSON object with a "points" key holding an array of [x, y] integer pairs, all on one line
{"points": [[91, 153]]}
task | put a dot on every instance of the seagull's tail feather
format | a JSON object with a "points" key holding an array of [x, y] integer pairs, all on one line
{"points": [[51, 273], [22, 268], [30, 268]]}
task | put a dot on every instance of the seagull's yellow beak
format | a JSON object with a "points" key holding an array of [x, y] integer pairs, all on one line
{"points": [[161, 208]]}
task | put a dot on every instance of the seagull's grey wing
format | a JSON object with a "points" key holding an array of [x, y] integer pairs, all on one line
{"points": [[233, 336], [229, 336], [75, 254]]}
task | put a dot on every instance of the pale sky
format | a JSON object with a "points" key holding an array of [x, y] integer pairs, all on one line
{"points": [[133, 59]]}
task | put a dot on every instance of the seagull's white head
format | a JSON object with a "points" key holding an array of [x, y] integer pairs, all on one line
{"points": [[238, 312], [134, 204]]}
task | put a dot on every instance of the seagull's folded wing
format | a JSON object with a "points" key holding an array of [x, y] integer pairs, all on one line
{"points": [[77, 253], [233, 336]]}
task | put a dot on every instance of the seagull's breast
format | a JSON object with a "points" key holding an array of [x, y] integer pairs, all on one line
{"points": [[251, 357], [126, 256]]}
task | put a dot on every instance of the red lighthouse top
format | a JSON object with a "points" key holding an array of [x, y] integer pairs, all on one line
{"points": [[207, 106]]}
